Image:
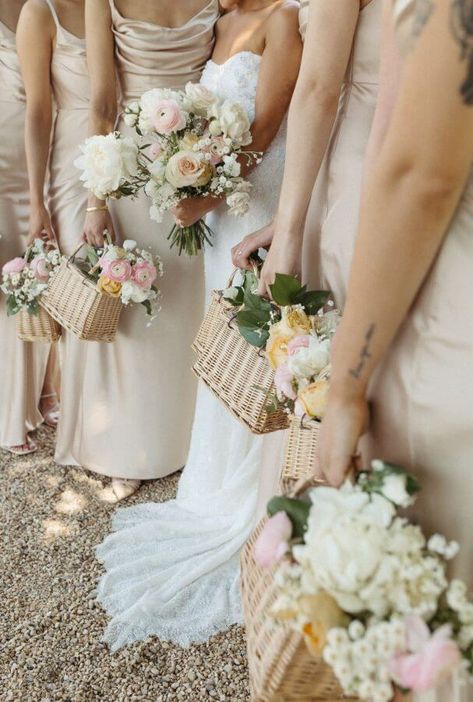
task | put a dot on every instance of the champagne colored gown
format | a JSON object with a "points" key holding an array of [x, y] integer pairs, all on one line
{"points": [[423, 394], [132, 413], [22, 365], [332, 219]]}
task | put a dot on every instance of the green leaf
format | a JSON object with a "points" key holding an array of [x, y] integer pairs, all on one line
{"points": [[12, 306], [252, 325], [312, 301], [285, 289], [296, 510], [234, 295]]}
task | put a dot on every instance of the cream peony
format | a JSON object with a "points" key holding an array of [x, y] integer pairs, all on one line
{"points": [[186, 169], [105, 162], [311, 360], [232, 121]]}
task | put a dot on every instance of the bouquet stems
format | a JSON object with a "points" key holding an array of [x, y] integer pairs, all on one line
{"points": [[191, 239]]}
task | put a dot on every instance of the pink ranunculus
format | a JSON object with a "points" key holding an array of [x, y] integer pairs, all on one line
{"points": [[168, 117], [429, 660], [41, 269], [283, 380], [118, 270], [298, 342], [155, 151], [272, 543], [216, 149], [16, 265], [144, 274]]}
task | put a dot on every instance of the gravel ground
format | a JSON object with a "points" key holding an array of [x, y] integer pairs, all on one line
{"points": [[50, 626]]}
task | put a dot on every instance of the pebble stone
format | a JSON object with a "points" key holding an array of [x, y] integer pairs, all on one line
{"points": [[51, 518]]}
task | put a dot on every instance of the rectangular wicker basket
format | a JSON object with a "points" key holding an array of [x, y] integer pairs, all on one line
{"points": [[74, 301], [300, 451], [235, 371], [37, 327], [280, 665]]}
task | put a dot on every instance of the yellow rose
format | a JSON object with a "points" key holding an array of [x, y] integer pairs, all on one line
{"points": [[321, 613], [188, 141], [276, 347], [295, 321], [110, 287], [314, 398]]}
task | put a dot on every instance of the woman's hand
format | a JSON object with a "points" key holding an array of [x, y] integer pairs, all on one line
{"points": [[40, 226], [96, 225], [344, 423], [191, 209], [250, 244], [284, 257]]}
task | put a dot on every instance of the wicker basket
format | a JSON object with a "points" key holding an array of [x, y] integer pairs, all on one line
{"points": [[74, 301], [300, 451], [280, 665], [235, 371], [37, 327]]}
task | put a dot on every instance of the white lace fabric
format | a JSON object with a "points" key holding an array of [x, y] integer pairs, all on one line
{"points": [[172, 569]]}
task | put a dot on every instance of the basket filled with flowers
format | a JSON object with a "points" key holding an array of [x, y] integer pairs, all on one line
{"points": [[86, 295], [344, 597], [24, 281]]}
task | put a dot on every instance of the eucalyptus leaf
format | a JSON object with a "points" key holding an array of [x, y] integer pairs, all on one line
{"points": [[12, 306]]}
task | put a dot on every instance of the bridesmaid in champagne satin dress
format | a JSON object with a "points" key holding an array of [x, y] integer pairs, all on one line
{"points": [[22, 365], [134, 404]]}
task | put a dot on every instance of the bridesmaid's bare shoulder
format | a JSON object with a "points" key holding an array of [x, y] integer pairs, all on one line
{"points": [[284, 18], [37, 12]]}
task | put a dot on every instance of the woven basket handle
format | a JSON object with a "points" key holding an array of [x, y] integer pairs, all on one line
{"points": [[75, 252], [237, 270]]}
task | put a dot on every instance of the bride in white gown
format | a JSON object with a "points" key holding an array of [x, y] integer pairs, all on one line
{"points": [[172, 569]]}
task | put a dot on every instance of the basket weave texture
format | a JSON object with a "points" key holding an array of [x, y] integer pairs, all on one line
{"points": [[280, 665], [74, 301], [37, 327], [234, 371], [300, 451]]}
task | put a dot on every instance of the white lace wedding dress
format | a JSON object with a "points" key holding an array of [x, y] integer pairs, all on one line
{"points": [[172, 569]]}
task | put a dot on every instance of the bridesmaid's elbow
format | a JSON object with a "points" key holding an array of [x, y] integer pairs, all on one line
{"points": [[318, 94]]}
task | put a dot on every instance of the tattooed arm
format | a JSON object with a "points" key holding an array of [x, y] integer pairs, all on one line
{"points": [[409, 199]]}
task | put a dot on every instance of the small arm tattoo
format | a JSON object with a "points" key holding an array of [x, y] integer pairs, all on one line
{"points": [[365, 353], [462, 30]]}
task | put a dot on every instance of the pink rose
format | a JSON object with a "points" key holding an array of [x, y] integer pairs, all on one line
{"points": [[430, 660], [272, 543], [155, 151], [16, 265], [144, 274], [283, 380], [40, 268], [168, 117], [118, 270], [298, 342]]}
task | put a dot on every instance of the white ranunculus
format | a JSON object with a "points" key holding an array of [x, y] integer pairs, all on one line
{"points": [[309, 361], [394, 488], [201, 98], [106, 162], [238, 203], [131, 292], [129, 244], [233, 122]]}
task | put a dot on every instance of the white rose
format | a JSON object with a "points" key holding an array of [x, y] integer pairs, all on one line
{"points": [[233, 121], [132, 293], [106, 162], [201, 98], [394, 488], [309, 361], [238, 203]]}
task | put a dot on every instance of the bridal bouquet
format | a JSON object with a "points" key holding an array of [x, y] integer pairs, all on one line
{"points": [[25, 278], [187, 144], [296, 333], [365, 588], [125, 272]]}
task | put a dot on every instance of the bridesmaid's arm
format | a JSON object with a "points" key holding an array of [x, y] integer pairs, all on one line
{"points": [[409, 200], [34, 37], [103, 101], [281, 58], [327, 47]]}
